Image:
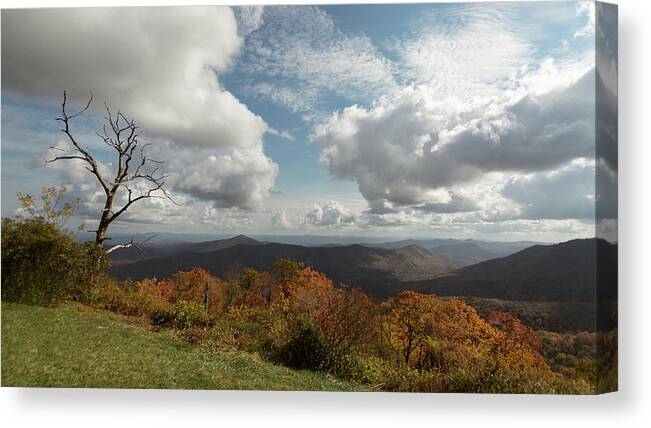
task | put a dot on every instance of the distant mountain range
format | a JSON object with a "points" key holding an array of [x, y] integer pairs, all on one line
{"points": [[562, 272], [378, 271], [467, 250]]}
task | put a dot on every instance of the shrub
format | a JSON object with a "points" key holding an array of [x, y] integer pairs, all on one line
{"points": [[180, 315], [123, 298], [43, 265], [308, 349], [200, 287], [107, 294], [162, 292]]}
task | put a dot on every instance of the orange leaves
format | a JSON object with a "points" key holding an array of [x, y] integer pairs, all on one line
{"points": [[292, 278], [200, 287], [346, 317], [413, 322], [196, 286], [161, 291], [514, 329], [428, 333]]}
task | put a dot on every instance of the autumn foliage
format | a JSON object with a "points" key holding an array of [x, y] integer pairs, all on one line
{"points": [[299, 317]]}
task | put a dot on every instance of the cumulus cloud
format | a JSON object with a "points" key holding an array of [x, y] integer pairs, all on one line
{"points": [[568, 192], [159, 66], [537, 132], [410, 149], [154, 211], [227, 219], [328, 214], [455, 204], [396, 219], [280, 221], [239, 178]]}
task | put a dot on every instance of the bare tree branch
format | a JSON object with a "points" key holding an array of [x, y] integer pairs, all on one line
{"points": [[130, 244], [119, 133]]}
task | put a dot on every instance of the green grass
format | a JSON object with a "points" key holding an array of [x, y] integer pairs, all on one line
{"points": [[74, 346]]}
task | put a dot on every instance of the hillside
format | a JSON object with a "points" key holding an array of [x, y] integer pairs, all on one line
{"points": [[561, 272], [550, 316], [74, 346], [150, 251], [378, 271], [468, 252]]}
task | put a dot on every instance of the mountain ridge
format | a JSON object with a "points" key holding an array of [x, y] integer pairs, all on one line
{"points": [[576, 270], [378, 271]]}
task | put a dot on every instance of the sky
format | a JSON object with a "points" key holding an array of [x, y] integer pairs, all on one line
{"points": [[414, 120]]}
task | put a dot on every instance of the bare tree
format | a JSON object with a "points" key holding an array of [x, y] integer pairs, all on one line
{"points": [[133, 166]]}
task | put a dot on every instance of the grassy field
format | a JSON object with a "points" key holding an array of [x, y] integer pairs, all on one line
{"points": [[74, 346]]}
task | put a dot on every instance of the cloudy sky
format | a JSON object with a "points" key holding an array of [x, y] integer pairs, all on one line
{"points": [[441, 120]]}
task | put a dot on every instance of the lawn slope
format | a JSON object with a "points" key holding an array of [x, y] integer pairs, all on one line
{"points": [[74, 346]]}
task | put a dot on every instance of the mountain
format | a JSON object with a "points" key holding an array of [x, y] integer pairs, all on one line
{"points": [[425, 243], [468, 252], [220, 244], [560, 272], [157, 250], [146, 251], [319, 240], [503, 249], [378, 271]]}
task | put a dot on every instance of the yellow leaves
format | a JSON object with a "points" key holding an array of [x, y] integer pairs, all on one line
{"points": [[49, 207], [428, 333]]}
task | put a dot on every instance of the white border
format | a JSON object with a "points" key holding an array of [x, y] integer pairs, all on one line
{"points": [[629, 407]]}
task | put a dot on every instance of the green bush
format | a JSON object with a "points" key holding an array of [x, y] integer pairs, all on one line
{"points": [[180, 315], [308, 349], [43, 265]]}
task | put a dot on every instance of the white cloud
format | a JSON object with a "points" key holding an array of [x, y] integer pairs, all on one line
{"points": [[282, 134], [227, 219], [328, 214], [280, 221], [472, 50], [536, 229], [295, 97], [225, 177], [249, 18], [159, 66], [306, 58], [568, 192], [410, 149], [587, 9]]}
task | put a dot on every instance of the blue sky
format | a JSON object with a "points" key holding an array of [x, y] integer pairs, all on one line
{"points": [[455, 120]]}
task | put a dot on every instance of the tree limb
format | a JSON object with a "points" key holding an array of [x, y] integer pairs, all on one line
{"points": [[120, 134]]}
